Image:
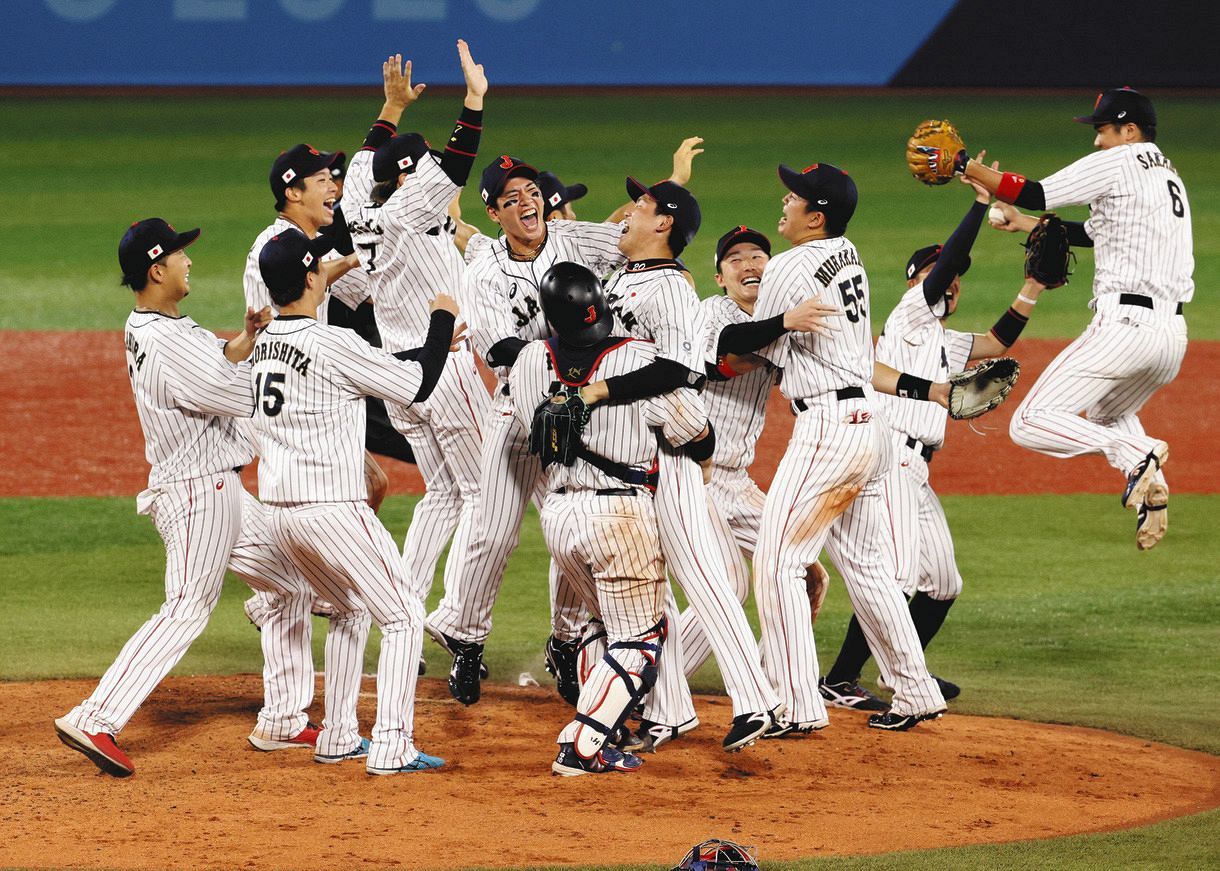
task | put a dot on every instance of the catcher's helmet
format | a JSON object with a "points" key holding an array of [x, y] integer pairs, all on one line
{"points": [[718, 855], [574, 303]]}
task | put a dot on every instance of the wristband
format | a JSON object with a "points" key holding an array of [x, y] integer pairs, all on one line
{"points": [[1008, 328], [704, 448], [723, 367], [1009, 187], [1026, 299], [910, 387]]}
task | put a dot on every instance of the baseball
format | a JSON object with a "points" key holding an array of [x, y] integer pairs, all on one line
{"points": [[996, 216]]}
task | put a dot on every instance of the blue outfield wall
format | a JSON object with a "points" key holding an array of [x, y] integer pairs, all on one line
{"points": [[527, 42]]}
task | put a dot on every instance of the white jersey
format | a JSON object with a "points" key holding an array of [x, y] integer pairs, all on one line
{"points": [[1139, 220], [187, 394], [828, 269], [915, 341], [405, 247], [351, 289], [621, 432], [652, 300], [737, 408], [310, 381], [504, 292]]}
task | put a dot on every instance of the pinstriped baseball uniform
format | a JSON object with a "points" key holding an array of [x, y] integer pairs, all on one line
{"points": [[915, 341], [652, 300], [1141, 230], [827, 489], [609, 545], [187, 396], [310, 383], [351, 288], [407, 252], [737, 409], [504, 304]]}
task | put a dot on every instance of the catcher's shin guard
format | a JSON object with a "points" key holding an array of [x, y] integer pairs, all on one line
{"points": [[625, 675]]}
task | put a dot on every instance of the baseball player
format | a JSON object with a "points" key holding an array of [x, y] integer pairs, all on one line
{"points": [[188, 391], [559, 197], [915, 340], [403, 236], [310, 381], [1088, 399], [501, 282], [827, 490], [598, 518], [653, 300]]}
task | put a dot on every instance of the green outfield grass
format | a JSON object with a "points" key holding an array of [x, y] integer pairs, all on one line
{"points": [[1065, 622], [82, 170]]}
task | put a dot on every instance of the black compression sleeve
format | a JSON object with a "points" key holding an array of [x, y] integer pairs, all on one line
{"points": [[379, 134], [703, 448], [1078, 237], [658, 377], [953, 254], [1031, 197], [463, 146], [750, 336], [435, 352], [505, 351]]}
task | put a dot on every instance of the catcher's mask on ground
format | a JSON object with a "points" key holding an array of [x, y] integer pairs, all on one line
{"points": [[575, 305], [718, 855]]}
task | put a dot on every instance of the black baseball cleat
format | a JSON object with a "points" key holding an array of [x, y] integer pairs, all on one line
{"points": [[561, 665], [850, 695], [892, 722], [1143, 475], [465, 676], [948, 689], [746, 729], [446, 643], [608, 760]]}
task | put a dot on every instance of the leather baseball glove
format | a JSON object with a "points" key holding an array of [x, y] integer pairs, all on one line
{"points": [[1048, 257], [935, 152], [559, 422], [979, 389]]}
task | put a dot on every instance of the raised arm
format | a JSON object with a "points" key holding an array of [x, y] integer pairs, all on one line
{"points": [[683, 158]]}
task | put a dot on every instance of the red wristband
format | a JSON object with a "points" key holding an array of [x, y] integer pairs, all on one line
{"points": [[723, 367], [1010, 187]]}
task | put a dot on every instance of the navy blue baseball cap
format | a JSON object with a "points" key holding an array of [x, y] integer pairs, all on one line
{"points": [[338, 169], [300, 161], [400, 154], [925, 257], [828, 189], [288, 255], [736, 236], [555, 193], [1120, 106], [676, 201], [497, 174], [148, 241]]}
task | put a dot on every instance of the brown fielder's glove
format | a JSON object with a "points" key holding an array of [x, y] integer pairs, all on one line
{"points": [[979, 389], [559, 422], [935, 152], [1048, 257]]}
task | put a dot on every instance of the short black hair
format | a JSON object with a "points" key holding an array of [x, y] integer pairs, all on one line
{"points": [[283, 296], [135, 282], [832, 229], [383, 190], [281, 202], [1148, 131], [676, 245]]}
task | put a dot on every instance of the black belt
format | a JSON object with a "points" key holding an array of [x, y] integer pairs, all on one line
{"points": [[609, 491], [1142, 301], [238, 469], [840, 394], [922, 449]]}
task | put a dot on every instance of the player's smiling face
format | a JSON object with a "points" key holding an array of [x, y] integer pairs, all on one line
{"points": [[741, 272], [317, 200], [640, 227], [176, 274], [519, 212], [795, 218]]}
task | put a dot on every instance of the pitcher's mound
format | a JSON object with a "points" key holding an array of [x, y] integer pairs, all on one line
{"points": [[203, 798]]}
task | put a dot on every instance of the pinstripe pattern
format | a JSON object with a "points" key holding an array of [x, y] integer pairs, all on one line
{"points": [[737, 407], [1139, 220], [351, 289], [923, 544]]}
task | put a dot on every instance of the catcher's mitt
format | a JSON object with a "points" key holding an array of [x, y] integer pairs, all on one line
{"points": [[935, 152], [1048, 257], [979, 389], [559, 422]]}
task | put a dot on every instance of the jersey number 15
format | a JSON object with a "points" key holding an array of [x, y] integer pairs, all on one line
{"points": [[266, 390]]}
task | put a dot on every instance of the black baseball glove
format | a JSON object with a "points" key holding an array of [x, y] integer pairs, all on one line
{"points": [[979, 389], [559, 422], [1048, 257]]}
